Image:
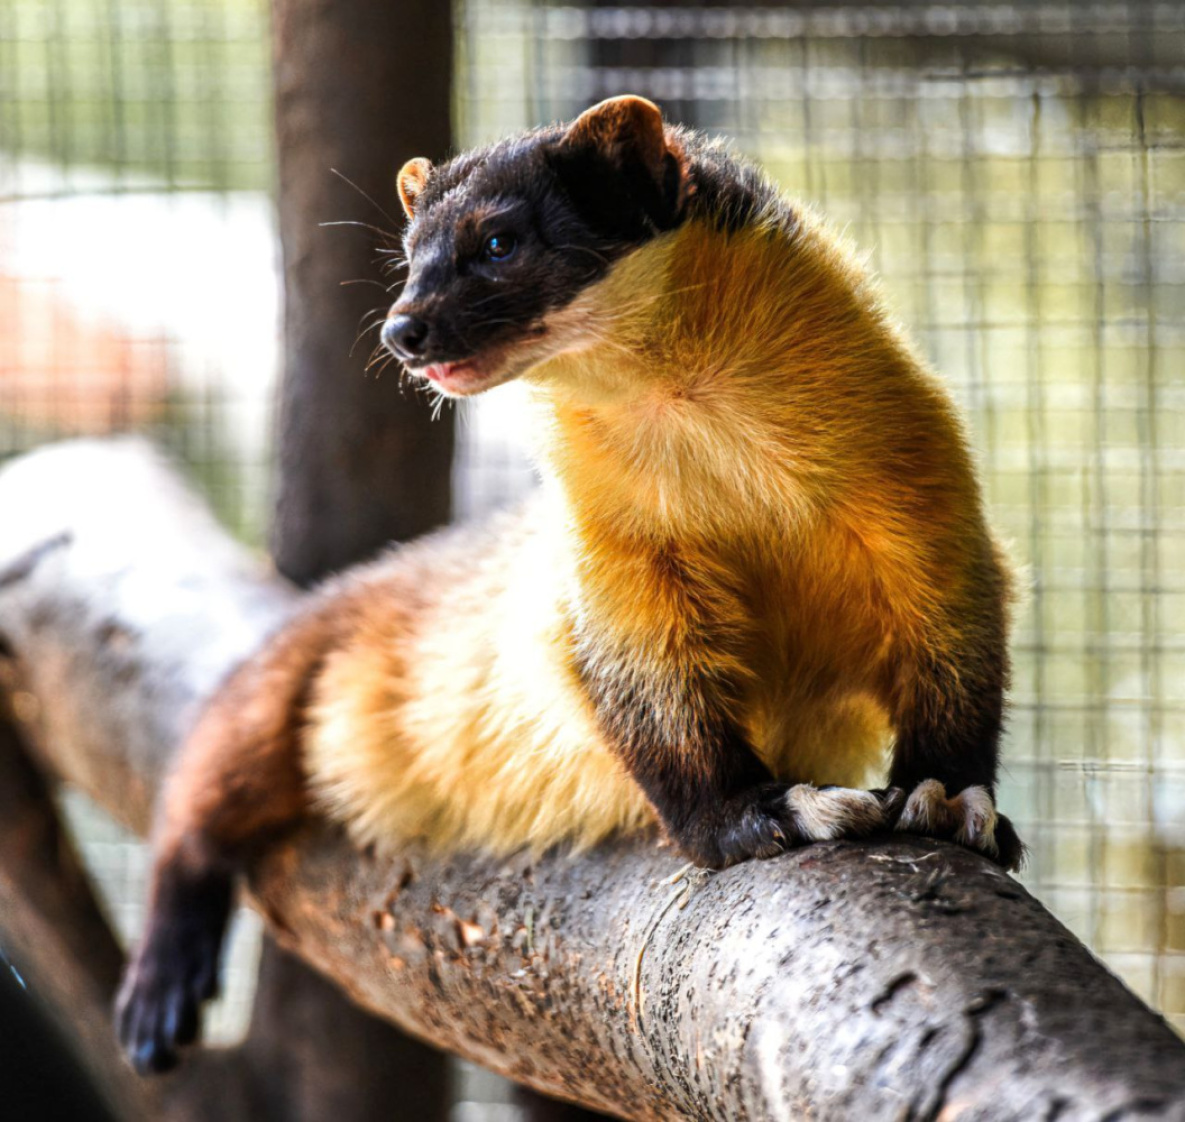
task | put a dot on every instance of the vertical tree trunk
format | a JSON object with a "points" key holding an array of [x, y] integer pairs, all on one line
{"points": [[361, 86]]}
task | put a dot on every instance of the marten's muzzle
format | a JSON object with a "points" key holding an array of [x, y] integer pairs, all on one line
{"points": [[405, 336]]}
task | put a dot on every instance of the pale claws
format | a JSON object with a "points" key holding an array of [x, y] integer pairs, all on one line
{"points": [[823, 814], [968, 818]]}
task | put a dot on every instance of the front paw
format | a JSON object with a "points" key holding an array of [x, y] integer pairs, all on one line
{"points": [[770, 819], [174, 971], [969, 818]]}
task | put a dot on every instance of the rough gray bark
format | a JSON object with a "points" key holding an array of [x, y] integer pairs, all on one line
{"points": [[888, 980]]}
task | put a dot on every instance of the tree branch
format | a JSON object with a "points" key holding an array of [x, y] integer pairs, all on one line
{"points": [[893, 979], [52, 925]]}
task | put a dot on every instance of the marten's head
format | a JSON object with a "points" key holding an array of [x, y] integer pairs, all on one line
{"points": [[503, 239]]}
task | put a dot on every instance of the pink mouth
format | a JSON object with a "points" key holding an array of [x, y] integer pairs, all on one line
{"points": [[455, 377]]}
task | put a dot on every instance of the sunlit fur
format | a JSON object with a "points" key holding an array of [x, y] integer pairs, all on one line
{"points": [[740, 400]]}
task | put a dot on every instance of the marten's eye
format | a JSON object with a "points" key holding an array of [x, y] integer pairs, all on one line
{"points": [[498, 247]]}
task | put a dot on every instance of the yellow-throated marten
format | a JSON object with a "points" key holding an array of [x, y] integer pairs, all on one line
{"points": [[757, 572]]}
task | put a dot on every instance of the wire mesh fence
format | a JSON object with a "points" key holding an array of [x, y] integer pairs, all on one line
{"points": [[1015, 172], [137, 275]]}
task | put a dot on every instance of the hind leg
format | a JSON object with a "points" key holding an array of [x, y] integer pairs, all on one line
{"points": [[238, 781], [175, 968]]}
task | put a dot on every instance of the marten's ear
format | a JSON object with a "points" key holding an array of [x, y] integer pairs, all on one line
{"points": [[624, 136], [624, 130], [412, 179]]}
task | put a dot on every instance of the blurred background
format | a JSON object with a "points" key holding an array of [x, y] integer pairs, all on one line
{"points": [[1015, 172]]}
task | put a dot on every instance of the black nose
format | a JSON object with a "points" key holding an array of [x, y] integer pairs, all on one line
{"points": [[405, 336]]}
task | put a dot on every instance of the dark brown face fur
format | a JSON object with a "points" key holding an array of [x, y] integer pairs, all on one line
{"points": [[561, 218], [504, 235]]}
